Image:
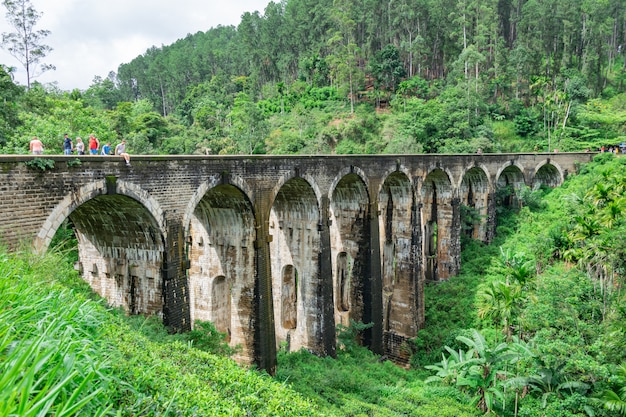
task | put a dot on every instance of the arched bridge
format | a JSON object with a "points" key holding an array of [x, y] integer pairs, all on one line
{"points": [[272, 249]]}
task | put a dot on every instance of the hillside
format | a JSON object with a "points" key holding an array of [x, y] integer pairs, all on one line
{"points": [[408, 76]]}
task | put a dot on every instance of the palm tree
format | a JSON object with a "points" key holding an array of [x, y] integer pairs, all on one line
{"points": [[502, 303], [486, 371], [552, 381]]}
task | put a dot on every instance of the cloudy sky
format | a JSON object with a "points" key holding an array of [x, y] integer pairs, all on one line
{"points": [[93, 37]]}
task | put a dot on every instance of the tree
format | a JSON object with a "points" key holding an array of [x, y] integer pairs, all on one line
{"points": [[26, 43], [8, 105]]}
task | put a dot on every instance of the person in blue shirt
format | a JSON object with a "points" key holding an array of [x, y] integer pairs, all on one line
{"points": [[68, 146], [106, 149]]}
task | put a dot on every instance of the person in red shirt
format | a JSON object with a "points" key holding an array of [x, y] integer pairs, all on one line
{"points": [[94, 144]]}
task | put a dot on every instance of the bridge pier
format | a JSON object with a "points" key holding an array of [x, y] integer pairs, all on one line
{"points": [[264, 329]]}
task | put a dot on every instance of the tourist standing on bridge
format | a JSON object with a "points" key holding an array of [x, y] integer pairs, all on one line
{"points": [[80, 146], [94, 144], [36, 147], [68, 146], [120, 150], [106, 149]]}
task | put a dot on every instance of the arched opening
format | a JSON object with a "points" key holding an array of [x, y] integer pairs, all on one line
{"points": [[295, 243], [289, 298], [350, 249], [440, 251], [547, 175], [510, 179], [220, 249], [221, 305], [120, 252], [343, 282], [474, 196]]}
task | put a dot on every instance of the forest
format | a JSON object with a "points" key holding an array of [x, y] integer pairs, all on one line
{"points": [[406, 76]]}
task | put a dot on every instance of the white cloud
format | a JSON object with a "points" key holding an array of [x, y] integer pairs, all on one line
{"points": [[93, 37]]}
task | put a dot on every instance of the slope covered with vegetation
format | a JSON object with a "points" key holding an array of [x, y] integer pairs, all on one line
{"points": [[348, 76], [547, 301]]}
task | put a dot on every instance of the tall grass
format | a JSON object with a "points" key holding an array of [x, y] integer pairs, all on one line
{"points": [[50, 361], [64, 353]]}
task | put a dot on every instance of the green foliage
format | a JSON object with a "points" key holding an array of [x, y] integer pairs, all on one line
{"points": [[74, 162], [613, 398], [65, 354], [526, 122], [358, 383], [206, 337], [40, 164], [350, 337]]}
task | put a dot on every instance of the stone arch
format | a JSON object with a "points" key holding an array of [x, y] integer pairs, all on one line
{"points": [[213, 181], [121, 247], [296, 175], [474, 193], [220, 248], [508, 180], [294, 226], [440, 225], [350, 246], [87, 192], [221, 305], [549, 174], [289, 298], [398, 269]]}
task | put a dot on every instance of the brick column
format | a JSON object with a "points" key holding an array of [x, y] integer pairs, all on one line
{"points": [[265, 339], [373, 286], [176, 313], [325, 284]]}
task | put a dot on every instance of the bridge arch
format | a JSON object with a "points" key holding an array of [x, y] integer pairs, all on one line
{"points": [[350, 245], [294, 224], [509, 179], [87, 192], [440, 225], [473, 193], [548, 173], [205, 186], [310, 180], [222, 270], [121, 243], [510, 174]]}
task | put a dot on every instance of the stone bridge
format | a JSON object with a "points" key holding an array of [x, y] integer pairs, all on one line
{"points": [[274, 250]]}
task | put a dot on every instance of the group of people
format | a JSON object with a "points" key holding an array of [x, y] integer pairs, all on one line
{"points": [[36, 147]]}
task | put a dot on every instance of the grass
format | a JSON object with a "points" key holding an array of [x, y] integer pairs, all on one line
{"points": [[64, 353]]}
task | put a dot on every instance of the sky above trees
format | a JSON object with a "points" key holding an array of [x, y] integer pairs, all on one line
{"points": [[91, 38]]}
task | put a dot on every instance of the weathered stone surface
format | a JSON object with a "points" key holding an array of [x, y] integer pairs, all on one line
{"points": [[272, 249]]}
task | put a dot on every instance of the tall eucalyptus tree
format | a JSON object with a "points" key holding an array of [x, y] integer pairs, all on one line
{"points": [[26, 43]]}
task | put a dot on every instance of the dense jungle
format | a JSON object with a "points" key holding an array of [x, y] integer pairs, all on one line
{"points": [[535, 323], [407, 76]]}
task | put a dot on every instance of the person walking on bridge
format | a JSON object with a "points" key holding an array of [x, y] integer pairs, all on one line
{"points": [[68, 146]]}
